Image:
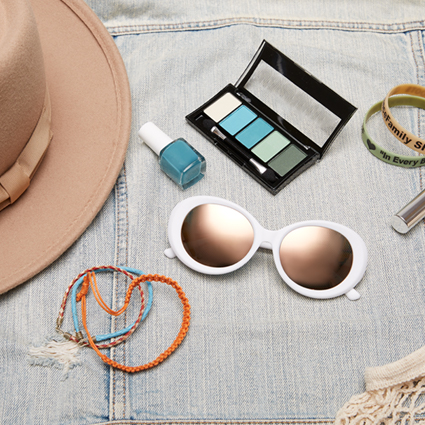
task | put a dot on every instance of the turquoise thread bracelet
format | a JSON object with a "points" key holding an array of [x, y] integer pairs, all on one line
{"points": [[123, 333], [99, 338]]}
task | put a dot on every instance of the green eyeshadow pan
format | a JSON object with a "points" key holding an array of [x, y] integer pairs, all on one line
{"points": [[287, 160], [270, 146]]}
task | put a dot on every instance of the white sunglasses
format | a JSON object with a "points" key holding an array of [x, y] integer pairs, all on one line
{"points": [[318, 259]]}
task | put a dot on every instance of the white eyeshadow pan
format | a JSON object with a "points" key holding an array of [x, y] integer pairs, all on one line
{"points": [[222, 107]]}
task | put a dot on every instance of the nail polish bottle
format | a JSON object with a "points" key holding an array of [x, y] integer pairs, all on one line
{"points": [[177, 158]]}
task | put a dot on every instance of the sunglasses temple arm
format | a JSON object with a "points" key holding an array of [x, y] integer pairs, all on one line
{"points": [[170, 253], [352, 295]]}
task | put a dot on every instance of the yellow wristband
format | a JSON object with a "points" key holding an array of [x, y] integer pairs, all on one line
{"points": [[379, 151], [405, 136]]}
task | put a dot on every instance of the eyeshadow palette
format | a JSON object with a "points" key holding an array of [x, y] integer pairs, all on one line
{"points": [[277, 120]]}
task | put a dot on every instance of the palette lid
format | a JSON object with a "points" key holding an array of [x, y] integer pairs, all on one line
{"points": [[299, 103]]}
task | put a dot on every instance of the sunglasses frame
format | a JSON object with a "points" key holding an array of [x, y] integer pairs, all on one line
{"points": [[269, 239]]}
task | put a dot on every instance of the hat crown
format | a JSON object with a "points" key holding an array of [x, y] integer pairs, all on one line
{"points": [[22, 79], [65, 122]]}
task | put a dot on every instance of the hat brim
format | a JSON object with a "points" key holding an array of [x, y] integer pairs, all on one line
{"points": [[91, 119]]}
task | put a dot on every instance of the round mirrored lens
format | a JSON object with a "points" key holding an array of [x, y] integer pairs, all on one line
{"points": [[316, 257], [217, 236]]}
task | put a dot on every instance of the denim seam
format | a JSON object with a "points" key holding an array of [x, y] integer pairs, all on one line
{"points": [[121, 258], [274, 23], [421, 49], [413, 51], [421, 57], [124, 346], [223, 422]]}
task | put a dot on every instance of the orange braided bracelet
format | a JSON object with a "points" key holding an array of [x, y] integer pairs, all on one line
{"points": [[182, 333]]}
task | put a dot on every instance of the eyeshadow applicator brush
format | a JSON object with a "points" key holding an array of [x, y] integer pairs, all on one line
{"points": [[267, 173]]}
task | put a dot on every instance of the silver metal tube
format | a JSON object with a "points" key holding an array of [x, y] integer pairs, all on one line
{"points": [[410, 215]]}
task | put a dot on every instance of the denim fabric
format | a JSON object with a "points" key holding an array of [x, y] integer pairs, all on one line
{"points": [[256, 351]]}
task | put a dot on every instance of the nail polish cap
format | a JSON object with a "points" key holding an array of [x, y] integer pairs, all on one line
{"points": [[154, 137], [410, 215]]}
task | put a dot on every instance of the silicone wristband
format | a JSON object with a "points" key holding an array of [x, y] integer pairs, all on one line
{"points": [[383, 154], [405, 136]]}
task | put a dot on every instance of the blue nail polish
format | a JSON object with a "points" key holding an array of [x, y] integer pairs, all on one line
{"points": [[178, 159]]}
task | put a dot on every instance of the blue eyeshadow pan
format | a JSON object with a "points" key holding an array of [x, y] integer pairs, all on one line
{"points": [[237, 120], [255, 132]]}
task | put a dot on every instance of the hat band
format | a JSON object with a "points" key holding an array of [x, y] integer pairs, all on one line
{"points": [[16, 179]]}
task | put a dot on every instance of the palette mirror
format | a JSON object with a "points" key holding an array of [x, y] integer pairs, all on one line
{"points": [[292, 103]]}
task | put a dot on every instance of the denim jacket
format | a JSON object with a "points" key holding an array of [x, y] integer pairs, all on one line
{"points": [[256, 351]]}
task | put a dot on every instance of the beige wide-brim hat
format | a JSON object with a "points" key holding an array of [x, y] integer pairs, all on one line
{"points": [[65, 114]]}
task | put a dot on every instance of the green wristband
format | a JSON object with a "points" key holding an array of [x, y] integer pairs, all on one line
{"points": [[383, 154]]}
